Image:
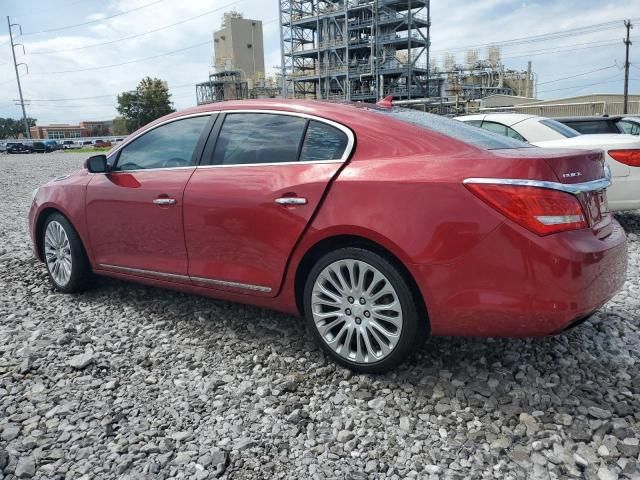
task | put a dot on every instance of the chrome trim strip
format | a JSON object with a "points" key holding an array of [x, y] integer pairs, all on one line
{"points": [[185, 278], [351, 141], [161, 275], [574, 188], [192, 167], [225, 283], [271, 164]]}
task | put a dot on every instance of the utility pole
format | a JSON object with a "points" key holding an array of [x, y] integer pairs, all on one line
{"points": [[15, 66], [627, 42]]}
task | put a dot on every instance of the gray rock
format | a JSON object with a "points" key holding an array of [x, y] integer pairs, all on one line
{"points": [[9, 433], [26, 467], [377, 403], [4, 459], [601, 413], [605, 474], [344, 436], [81, 361]]}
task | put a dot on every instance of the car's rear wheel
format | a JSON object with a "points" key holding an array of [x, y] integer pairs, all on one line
{"points": [[361, 310], [64, 255]]}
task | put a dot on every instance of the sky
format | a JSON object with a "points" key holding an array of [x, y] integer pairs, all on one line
{"points": [[65, 65]]}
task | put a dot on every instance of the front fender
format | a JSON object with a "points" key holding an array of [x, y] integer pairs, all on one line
{"points": [[66, 195]]}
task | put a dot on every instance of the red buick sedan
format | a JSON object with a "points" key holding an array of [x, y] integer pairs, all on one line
{"points": [[380, 225]]}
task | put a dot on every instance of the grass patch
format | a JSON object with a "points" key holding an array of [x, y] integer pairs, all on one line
{"points": [[86, 150]]}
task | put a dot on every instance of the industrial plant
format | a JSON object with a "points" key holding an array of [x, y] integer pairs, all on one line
{"points": [[354, 50]]}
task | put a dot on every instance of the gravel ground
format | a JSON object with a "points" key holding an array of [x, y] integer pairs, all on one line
{"points": [[128, 381]]}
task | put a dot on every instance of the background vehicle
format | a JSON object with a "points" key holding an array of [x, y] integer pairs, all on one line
{"points": [[3, 147], [622, 152], [19, 147], [380, 226], [102, 144], [40, 147], [603, 124], [86, 142], [52, 145], [70, 145]]}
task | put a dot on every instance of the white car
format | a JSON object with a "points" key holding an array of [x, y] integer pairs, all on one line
{"points": [[622, 152]]}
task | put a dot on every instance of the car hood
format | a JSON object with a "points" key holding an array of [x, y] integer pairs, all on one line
{"points": [[602, 140]]}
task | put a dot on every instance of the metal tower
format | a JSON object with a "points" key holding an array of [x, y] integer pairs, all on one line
{"points": [[356, 49]]}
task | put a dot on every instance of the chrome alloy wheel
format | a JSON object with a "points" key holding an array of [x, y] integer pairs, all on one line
{"points": [[356, 311], [57, 252]]}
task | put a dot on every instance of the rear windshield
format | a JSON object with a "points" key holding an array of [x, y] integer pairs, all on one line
{"points": [[455, 129], [561, 128]]}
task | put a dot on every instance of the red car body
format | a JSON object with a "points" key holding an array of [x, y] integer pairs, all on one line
{"points": [[401, 188]]}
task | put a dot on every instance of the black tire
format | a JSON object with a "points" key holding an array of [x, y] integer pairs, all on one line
{"points": [[81, 277], [411, 333]]}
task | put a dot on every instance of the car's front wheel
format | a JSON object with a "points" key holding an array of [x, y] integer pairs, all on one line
{"points": [[361, 310], [67, 264]]}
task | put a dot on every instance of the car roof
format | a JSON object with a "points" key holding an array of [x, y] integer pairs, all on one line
{"points": [[504, 118], [590, 118], [346, 113]]}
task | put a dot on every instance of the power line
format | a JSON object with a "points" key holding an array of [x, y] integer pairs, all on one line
{"points": [[543, 37], [99, 20], [184, 85], [102, 67], [110, 42], [611, 80], [577, 75]]}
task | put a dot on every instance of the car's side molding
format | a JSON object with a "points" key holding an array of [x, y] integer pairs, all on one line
{"points": [[573, 188], [185, 278]]}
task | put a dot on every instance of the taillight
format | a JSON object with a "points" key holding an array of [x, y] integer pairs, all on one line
{"points": [[540, 210], [628, 157]]}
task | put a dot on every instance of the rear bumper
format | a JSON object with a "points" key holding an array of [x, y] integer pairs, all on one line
{"points": [[516, 284], [624, 192]]}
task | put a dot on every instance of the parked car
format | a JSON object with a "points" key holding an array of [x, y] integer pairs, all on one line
{"points": [[70, 145], [86, 143], [602, 124], [52, 145], [380, 226], [622, 152], [3, 147], [19, 147], [40, 147], [102, 144]]}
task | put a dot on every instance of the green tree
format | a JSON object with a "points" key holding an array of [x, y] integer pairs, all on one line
{"points": [[14, 128], [150, 100], [120, 126]]}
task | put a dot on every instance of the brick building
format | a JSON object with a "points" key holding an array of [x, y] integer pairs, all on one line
{"points": [[58, 131], [63, 130]]}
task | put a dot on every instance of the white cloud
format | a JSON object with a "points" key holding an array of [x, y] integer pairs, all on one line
{"points": [[469, 23]]}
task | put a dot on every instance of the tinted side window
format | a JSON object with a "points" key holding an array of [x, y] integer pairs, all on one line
{"points": [[323, 142], [596, 126], [501, 129], [628, 127], [170, 145], [250, 138], [456, 129]]}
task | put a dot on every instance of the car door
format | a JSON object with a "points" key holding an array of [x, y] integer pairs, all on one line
{"points": [[134, 212], [262, 176]]}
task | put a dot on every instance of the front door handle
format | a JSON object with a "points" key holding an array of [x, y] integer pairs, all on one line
{"points": [[291, 201], [164, 201]]}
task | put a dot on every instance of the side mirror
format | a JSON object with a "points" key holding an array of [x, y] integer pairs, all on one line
{"points": [[97, 164]]}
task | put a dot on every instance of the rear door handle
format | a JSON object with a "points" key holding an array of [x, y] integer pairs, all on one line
{"points": [[291, 201], [164, 201]]}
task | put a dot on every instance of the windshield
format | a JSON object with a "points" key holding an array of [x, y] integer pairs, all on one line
{"points": [[456, 129], [561, 128]]}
